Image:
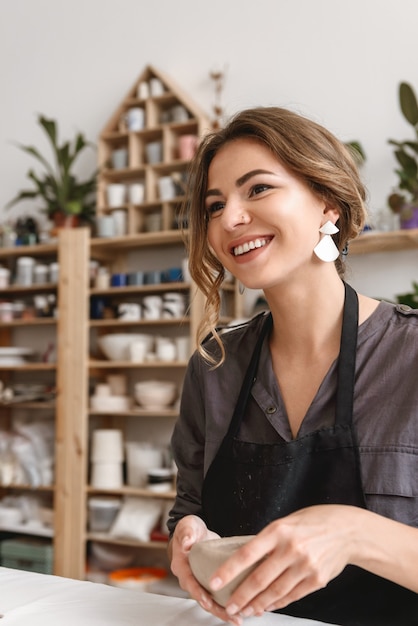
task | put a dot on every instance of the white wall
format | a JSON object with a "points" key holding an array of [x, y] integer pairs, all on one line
{"points": [[338, 62]]}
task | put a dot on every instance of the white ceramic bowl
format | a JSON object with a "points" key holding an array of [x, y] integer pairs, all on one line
{"points": [[116, 346], [206, 556], [10, 516], [112, 404], [155, 394], [112, 557]]}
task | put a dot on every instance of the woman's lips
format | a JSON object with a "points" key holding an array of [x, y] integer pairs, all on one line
{"points": [[251, 244]]}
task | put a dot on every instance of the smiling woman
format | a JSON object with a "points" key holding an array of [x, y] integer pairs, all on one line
{"points": [[300, 426], [292, 146]]}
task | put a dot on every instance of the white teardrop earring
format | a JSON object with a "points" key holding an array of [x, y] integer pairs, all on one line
{"points": [[326, 250]]}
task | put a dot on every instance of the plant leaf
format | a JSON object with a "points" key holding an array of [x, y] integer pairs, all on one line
{"points": [[408, 103], [50, 128], [407, 162]]}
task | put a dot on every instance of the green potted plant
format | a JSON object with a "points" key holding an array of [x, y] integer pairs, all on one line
{"points": [[411, 299], [66, 199], [404, 198]]}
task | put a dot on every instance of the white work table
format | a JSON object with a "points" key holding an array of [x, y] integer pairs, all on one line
{"points": [[42, 600]]}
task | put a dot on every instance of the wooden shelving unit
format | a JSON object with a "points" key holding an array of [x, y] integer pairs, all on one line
{"points": [[29, 372], [375, 241], [139, 248]]}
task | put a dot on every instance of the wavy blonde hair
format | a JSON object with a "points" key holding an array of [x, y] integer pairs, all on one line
{"points": [[308, 151]]}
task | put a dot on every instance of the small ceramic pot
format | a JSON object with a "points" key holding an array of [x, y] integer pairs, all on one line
{"points": [[206, 556]]}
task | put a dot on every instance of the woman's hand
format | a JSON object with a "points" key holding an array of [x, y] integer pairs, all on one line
{"points": [[302, 552], [188, 531]]}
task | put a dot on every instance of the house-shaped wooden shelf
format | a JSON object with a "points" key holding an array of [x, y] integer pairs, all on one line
{"points": [[144, 153]]}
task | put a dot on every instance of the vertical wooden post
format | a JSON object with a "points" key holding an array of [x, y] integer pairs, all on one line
{"points": [[72, 398]]}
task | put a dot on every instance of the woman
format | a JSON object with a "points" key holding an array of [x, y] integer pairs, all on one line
{"points": [[300, 426]]}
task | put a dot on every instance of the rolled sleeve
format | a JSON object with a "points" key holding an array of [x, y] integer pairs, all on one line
{"points": [[188, 444]]}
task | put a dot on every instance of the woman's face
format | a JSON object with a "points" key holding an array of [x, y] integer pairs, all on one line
{"points": [[263, 221]]}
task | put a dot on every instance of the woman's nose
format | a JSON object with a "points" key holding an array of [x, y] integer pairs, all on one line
{"points": [[233, 215]]}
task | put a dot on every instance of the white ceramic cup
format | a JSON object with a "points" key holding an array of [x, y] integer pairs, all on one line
{"points": [[5, 277], [153, 222], [40, 273], [138, 351], [141, 457], [152, 307], [166, 188], [154, 152], [129, 311], [156, 87], [120, 222], [105, 226], [116, 194], [174, 304], [135, 118], [106, 475], [119, 158], [107, 445], [179, 113], [54, 272], [136, 193], [143, 90], [24, 270], [166, 350]]}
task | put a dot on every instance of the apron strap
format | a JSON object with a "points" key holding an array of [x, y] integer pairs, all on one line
{"points": [[347, 359], [248, 381], [346, 367]]}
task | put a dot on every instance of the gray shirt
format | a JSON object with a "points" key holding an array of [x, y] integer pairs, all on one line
{"points": [[385, 411]]}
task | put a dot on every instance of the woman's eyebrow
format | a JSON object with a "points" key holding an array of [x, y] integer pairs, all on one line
{"points": [[213, 192], [240, 181], [243, 179]]}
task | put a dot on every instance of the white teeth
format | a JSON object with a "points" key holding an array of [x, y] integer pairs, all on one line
{"points": [[249, 245]]}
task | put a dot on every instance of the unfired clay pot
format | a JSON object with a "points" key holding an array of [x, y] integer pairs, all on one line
{"points": [[206, 556]]}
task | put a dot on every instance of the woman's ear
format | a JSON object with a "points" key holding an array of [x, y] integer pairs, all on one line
{"points": [[331, 214]]}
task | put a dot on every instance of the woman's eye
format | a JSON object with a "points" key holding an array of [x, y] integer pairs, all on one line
{"points": [[215, 207], [256, 189]]}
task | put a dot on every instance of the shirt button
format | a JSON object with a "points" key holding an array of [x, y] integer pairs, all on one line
{"points": [[271, 409], [405, 307]]}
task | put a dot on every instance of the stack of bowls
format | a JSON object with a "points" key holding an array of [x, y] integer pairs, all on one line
{"points": [[155, 394], [107, 459]]}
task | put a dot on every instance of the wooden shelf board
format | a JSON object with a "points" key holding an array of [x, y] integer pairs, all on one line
{"points": [[102, 364], [134, 491], [377, 241], [44, 406], [138, 240], [37, 321], [36, 250], [35, 288], [106, 538], [140, 289], [137, 412], [46, 488], [29, 367], [27, 529], [106, 323]]}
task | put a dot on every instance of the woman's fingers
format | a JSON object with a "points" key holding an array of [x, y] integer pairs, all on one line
{"points": [[298, 555]]}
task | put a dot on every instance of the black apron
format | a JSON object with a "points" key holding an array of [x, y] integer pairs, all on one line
{"points": [[248, 485]]}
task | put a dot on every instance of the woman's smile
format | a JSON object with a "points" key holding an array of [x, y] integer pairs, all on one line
{"points": [[248, 246]]}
